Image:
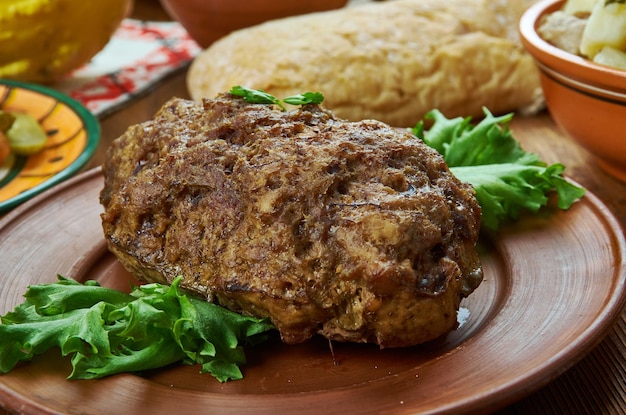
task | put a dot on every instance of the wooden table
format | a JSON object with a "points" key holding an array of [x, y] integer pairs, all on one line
{"points": [[594, 385]]}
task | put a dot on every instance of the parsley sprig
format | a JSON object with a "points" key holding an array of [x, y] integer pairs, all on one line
{"points": [[256, 96]]}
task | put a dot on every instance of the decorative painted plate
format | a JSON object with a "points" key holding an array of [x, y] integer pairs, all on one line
{"points": [[73, 135], [554, 284]]}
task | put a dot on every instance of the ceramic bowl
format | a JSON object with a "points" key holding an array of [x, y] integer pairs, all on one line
{"points": [[73, 135], [208, 20], [586, 100]]}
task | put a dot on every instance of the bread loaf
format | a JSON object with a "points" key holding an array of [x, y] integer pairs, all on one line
{"points": [[391, 61]]}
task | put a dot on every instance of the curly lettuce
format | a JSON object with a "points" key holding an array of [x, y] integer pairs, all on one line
{"points": [[106, 331], [506, 178]]}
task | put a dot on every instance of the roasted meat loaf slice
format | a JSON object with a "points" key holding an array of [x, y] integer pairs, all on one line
{"points": [[355, 230]]}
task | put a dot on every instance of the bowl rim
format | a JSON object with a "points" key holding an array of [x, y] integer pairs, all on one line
{"points": [[550, 56]]}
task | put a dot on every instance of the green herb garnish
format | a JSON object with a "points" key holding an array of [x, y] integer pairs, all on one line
{"points": [[107, 331], [256, 96], [506, 178], [305, 98]]}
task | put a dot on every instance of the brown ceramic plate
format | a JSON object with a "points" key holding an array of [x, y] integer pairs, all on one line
{"points": [[553, 285]]}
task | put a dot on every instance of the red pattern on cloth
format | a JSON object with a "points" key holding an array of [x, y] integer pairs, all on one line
{"points": [[139, 54]]}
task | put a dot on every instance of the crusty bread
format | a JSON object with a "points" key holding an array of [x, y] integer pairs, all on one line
{"points": [[391, 61]]}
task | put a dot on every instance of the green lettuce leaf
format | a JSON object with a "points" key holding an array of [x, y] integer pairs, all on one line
{"points": [[507, 179], [106, 331]]}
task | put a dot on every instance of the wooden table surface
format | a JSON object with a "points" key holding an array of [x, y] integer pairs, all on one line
{"points": [[594, 385]]}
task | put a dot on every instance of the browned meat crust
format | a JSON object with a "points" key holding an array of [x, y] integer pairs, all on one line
{"points": [[354, 230]]}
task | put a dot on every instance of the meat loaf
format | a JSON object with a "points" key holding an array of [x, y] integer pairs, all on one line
{"points": [[355, 230]]}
